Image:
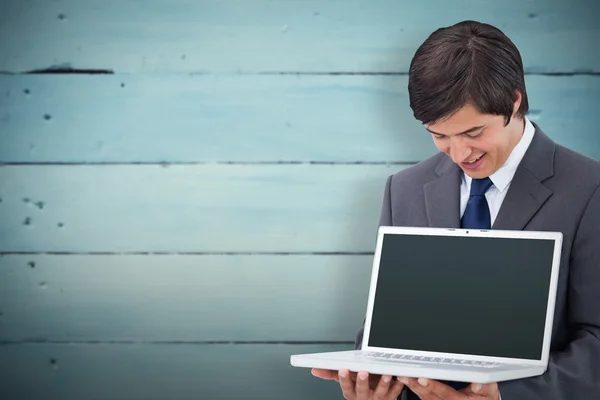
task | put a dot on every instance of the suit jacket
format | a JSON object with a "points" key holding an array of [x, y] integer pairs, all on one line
{"points": [[554, 189]]}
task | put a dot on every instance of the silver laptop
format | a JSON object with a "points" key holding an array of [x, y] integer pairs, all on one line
{"points": [[457, 305]]}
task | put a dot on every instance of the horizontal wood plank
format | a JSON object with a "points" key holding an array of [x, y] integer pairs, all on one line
{"points": [[191, 208], [182, 298], [153, 372], [209, 119], [265, 36]]}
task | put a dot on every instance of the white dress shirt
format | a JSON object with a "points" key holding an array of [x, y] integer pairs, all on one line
{"points": [[501, 179]]}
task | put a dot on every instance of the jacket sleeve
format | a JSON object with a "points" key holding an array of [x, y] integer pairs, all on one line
{"points": [[574, 371], [384, 220]]}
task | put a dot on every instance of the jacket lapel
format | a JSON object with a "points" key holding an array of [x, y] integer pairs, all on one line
{"points": [[527, 193], [442, 196]]}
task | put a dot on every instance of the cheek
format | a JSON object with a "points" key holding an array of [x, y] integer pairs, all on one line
{"points": [[484, 147], [442, 145]]}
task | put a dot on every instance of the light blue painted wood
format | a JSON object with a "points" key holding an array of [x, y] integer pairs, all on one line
{"points": [[152, 110], [208, 118], [182, 298], [173, 118], [146, 371], [198, 208], [264, 35]]}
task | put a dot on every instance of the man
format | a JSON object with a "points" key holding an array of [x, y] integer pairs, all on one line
{"points": [[496, 169]]}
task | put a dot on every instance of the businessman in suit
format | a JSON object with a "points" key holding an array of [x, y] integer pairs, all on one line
{"points": [[496, 169]]}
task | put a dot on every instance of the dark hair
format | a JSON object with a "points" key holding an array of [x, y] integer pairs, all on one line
{"points": [[469, 62]]}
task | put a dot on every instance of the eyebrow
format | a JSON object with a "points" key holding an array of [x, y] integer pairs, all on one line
{"points": [[473, 129]]}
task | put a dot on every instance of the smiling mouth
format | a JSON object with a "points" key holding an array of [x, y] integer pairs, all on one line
{"points": [[474, 161]]}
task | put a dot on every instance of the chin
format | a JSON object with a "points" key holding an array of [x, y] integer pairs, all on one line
{"points": [[484, 170], [479, 174]]}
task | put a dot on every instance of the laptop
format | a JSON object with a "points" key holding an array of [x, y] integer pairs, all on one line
{"points": [[455, 304]]}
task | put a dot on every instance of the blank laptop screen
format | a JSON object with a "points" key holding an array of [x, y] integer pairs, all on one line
{"points": [[465, 295]]}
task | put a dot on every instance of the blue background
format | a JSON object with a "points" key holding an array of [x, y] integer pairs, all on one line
{"points": [[190, 190]]}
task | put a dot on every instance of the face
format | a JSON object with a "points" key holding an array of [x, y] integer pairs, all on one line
{"points": [[478, 143]]}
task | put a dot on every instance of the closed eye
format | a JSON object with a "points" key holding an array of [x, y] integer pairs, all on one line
{"points": [[475, 136]]}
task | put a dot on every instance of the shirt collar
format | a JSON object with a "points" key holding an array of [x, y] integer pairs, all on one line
{"points": [[502, 178]]}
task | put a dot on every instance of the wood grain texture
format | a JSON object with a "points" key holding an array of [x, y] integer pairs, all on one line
{"points": [[248, 95], [175, 118], [210, 119], [198, 208], [169, 298], [153, 372], [266, 36]]}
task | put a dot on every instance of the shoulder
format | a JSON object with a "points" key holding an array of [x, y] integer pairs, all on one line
{"points": [[575, 183], [572, 176], [548, 158], [570, 164], [419, 173]]}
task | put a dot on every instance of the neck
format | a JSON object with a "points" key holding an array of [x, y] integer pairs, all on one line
{"points": [[519, 130]]}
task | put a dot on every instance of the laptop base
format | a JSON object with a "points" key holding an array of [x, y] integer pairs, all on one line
{"points": [[357, 360]]}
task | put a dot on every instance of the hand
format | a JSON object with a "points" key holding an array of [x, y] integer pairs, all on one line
{"points": [[362, 386], [428, 389]]}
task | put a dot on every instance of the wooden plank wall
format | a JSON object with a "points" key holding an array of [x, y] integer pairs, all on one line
{"points": [[189, 190]]}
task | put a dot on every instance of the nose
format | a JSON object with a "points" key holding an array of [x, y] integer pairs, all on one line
{"points": [[459, 150]]}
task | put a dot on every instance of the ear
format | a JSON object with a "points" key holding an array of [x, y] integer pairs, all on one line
{"points": [[517, 102]]}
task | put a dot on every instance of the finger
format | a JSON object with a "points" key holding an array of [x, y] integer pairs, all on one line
{"points": [[482, 389], [440, 389], [395, 390], [423, 388], [382, 387], [363, 390], [325, 374], [474, 388], [346, 384]]}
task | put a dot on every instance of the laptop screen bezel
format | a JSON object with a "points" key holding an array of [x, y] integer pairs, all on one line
{"points": [[395, 230]]}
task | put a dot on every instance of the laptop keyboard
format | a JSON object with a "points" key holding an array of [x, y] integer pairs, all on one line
{"points": [[431, 360]]}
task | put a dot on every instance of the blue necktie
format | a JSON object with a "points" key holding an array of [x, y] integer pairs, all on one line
{"points": [[477, 213]]}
